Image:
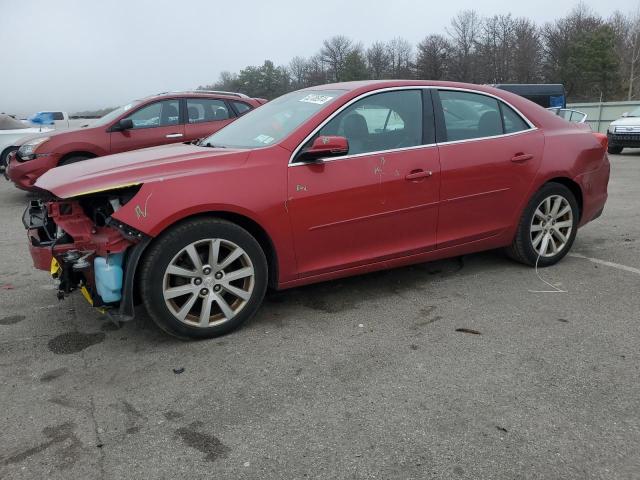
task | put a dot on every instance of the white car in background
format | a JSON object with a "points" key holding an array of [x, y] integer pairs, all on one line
{"points": [[624, 132], [12, 130]]}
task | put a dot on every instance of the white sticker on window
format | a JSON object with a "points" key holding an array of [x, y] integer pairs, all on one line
{"points": [[317, 99], [266, 139]]}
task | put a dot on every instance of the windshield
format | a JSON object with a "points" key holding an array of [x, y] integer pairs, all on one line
{"points": [[634, 113], [273, 121], [109, 117]]}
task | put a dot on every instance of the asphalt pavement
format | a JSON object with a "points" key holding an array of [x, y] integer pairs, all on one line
{"points": [[451, 370]]}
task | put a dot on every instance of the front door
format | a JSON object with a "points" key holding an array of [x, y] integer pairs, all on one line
{"points": [[155, 124], [376, 203]]}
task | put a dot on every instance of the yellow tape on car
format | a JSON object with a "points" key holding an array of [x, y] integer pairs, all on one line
{"points": [[55, 268], [87, 295]]}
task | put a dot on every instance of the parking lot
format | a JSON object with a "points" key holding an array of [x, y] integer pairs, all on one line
{"points": [[454, 369]]}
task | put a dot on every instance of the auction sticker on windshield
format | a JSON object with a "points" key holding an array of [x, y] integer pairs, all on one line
{"points": [[264, 139], [317, 99]]}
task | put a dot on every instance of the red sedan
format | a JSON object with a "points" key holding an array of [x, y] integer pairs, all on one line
{"points": [[157, 120], [318, 184]]}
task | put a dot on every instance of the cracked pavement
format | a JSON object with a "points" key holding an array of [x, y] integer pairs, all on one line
{"points": [[451, 369]]}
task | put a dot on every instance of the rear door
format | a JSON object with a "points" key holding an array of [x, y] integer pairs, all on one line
{"points": [[489, 155], [154, 124], [206, 116]]}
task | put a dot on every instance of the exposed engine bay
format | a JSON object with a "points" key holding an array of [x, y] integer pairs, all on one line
{"points": [[83, 247]]}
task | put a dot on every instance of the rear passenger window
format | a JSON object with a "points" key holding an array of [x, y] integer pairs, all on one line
{"points": [[206, 110], [470, 115], [241, 107], [512, 121]]}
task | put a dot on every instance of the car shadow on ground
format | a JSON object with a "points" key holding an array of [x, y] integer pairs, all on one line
{"points": [[340, 296]]}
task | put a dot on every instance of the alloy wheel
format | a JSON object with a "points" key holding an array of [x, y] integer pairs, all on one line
{"points": [[208, 282], [551, 226]]}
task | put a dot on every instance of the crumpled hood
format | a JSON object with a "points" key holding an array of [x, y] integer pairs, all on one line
{"points": [[138, 166]]}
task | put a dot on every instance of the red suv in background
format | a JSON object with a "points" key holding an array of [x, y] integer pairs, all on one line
{"points": [[156, 120]]}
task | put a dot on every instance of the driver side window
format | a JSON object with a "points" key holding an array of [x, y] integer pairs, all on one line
{"points": [[383, 121], [158, 114]]}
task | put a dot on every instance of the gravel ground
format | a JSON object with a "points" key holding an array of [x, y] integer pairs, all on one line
{"points": [[366, 377]]}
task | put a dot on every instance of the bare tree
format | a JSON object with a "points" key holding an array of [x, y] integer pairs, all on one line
{"points": [[400, 54], [378, 61], [298, 71], [433, 58], [495, 49], [464, 32], [527, 52], [317, 73], [627, 33], [334, 53]]}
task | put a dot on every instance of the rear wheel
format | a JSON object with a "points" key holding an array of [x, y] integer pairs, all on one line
{"points": [[203, 278], [547, 228], [614, 150]]}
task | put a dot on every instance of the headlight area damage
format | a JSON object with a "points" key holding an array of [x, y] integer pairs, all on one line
{"points": [[85, 249]]}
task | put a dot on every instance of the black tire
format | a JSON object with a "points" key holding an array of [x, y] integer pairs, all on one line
{"points": [[522, 249], [162, 253], [4, 157], [614, 150], [74, 159]]}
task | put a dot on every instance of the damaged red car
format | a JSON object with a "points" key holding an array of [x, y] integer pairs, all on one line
{"points": [[318, 184]]}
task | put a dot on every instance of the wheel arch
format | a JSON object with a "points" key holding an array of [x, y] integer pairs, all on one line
{"points": [[76, 153], [8, 148], [253, 227], [573, 186]]}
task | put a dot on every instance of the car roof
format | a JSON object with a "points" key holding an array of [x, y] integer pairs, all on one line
{"points": [[536, 114], [366, 85], [200, 93]]}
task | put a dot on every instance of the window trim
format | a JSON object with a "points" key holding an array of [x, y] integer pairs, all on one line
{"points": [[236, 111], [443, 129], [180, 117], [232, 113], [437, 112]]}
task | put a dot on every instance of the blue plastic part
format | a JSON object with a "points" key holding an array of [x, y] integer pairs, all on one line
{"points": [[108, 276]]}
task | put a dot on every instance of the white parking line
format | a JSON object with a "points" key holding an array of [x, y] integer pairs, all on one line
{"points": [[608, 264]]}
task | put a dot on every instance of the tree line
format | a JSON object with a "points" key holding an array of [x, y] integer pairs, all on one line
{"points": [[595, 58]]}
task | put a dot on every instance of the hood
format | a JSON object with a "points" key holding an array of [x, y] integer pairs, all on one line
{"points": [[155, 164], [626, 121], [45, 131], [10, 123]]}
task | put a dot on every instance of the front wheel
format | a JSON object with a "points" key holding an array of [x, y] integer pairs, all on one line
{"points": [[547, 227], [74, 159], [203, 278], [4, 157], [614, 150]]}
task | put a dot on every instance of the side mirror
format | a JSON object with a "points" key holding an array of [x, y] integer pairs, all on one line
{"points": [[325, 147], [625, 114], [123, 124]]}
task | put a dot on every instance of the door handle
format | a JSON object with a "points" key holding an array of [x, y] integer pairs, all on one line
{"points": [[417, 174], [521, 157], [174, 135]]}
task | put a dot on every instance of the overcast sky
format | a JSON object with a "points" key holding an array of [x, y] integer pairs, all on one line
{"points": [[81, 54]]}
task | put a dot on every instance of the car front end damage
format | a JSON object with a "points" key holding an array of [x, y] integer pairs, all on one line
{"points": [[84, 248]]}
